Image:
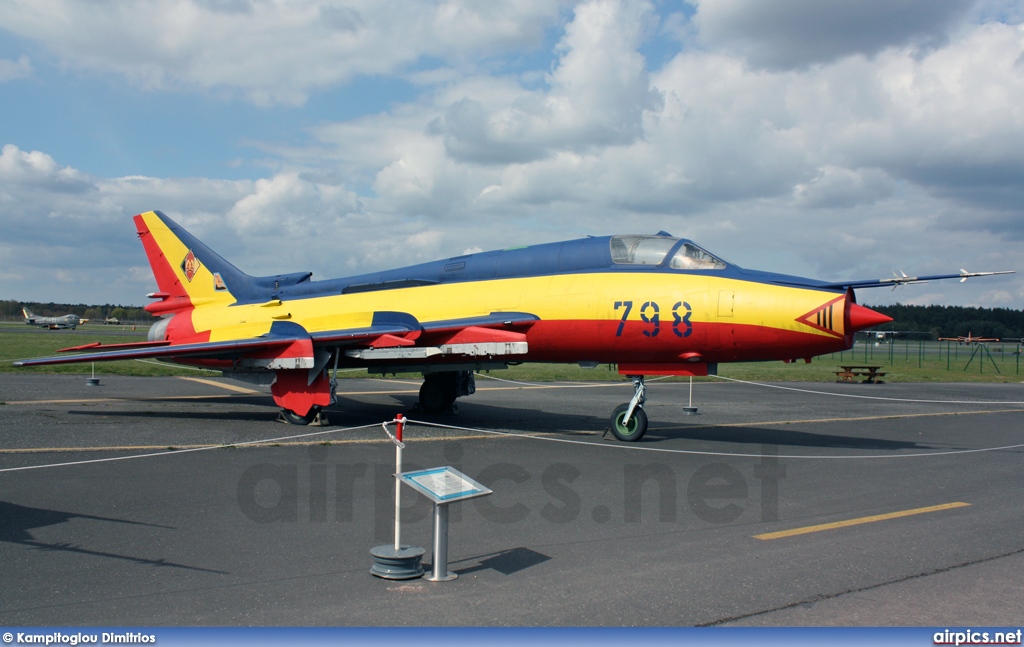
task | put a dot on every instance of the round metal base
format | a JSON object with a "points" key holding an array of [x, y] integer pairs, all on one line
{"points": [[391, 564], [444, 578], [92, 381], [690, 411]]}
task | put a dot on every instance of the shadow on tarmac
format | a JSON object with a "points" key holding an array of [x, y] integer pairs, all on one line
{"points": [[782, 437], [18, 521], [506, 562]]}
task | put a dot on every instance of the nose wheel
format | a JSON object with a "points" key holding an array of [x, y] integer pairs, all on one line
{"points": [[629, 420]]}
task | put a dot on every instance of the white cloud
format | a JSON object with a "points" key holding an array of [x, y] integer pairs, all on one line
{"points": [[597, 96], [272, 51], [842, 187], [35, 168], [291, 205]]}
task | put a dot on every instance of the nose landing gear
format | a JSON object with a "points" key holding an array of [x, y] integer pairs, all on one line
{"points": [[629, 420]]}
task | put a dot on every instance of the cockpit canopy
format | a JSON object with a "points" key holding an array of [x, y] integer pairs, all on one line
{"points": [[652, 250]]}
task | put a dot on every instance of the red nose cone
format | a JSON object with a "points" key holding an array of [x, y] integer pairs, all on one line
{"points": [[861, 318]]}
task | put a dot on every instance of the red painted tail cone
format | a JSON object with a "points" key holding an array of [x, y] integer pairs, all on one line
{"points": [[861, 318]]}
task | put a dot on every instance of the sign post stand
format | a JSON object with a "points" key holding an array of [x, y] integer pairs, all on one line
{"points": [[443, 486], [395, 561], [690, 410], [93, 381], [440, 571]]}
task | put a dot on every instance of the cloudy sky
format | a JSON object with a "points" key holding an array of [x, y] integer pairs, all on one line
{"points": [[838, 140]]}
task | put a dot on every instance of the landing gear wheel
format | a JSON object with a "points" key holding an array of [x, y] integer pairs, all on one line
{"points": [[437, 393], [634, 429], [295, 419]]}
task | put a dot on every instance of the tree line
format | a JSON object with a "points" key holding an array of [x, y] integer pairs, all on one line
{"points": [[954, 321]]}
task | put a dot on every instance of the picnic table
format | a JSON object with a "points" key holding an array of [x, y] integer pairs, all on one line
{"points": [[869, 373]]}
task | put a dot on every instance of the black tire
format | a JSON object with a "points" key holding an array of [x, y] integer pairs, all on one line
{"points": [[437, 393], [636, 428], [295, 419]]}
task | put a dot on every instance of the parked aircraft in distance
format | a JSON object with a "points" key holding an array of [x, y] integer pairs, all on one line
{"points": [[653, 305], [53, 323], [970, 339], [882, 335]]}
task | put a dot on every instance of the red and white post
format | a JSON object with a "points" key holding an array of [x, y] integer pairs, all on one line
{"points": [[399, 428], [394, 561]]}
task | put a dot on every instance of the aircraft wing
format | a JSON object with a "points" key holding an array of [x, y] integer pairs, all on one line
{"points": [[388, 329], [210, 350], [903, 279]]}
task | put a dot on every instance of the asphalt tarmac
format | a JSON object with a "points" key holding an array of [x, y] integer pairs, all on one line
{"points": [[809, 504]]}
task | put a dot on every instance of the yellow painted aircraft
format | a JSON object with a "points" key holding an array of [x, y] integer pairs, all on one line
{"points": [[653, 305], [970, 339]]}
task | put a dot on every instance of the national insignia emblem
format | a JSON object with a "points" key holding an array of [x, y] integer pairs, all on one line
{"points": [[190, 266]]}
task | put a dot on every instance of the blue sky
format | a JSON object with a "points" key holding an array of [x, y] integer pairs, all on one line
{"points": [[835, 140]]}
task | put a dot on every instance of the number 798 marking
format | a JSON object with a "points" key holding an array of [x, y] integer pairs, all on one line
{"points": [[681, 324]]}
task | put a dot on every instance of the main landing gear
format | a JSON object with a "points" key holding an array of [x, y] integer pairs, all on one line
{"points": [[629, 420], [439, 390], [315, 415], [293, 418]]}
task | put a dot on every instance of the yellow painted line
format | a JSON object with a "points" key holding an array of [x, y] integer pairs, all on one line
{"points": [[245, 444], [229, 387], [861, 520]]}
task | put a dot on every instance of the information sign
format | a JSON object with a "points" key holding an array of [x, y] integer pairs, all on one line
{"points": [[443, 484]]}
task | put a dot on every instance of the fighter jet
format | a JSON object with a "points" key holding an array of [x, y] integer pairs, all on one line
{"points": [[53, 323], [652, 305]]}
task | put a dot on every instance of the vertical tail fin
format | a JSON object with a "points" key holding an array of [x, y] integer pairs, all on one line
{"points": [[187, 272]]}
